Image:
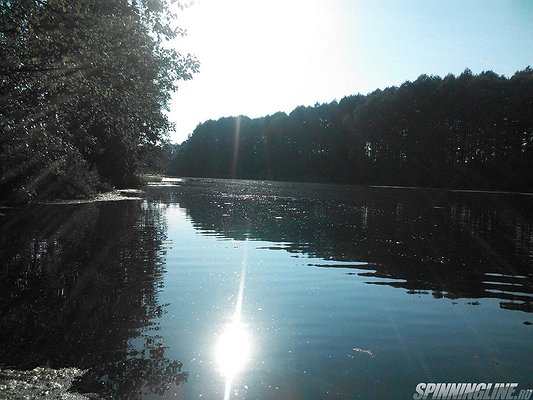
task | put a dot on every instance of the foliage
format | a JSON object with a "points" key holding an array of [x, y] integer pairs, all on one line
{"points": [[84, 86], [467, 131]]}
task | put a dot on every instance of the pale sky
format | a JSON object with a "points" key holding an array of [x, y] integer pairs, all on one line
{"points": [[262, 56]]}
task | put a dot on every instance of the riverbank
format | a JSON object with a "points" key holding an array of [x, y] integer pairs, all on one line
{"points": [[114, 195]]}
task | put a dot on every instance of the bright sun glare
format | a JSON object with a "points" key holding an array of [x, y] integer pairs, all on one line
{"points": [[257, 57], [233, 349]]}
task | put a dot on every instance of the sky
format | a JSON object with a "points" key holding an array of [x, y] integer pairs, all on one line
{"points": [[259, 57]]}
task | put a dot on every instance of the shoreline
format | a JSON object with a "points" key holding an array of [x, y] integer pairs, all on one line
{"points": [[114, 195]]}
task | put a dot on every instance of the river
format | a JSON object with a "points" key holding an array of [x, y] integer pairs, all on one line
{"points": [[207, 288]]}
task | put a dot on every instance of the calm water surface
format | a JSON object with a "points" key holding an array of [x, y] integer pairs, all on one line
{"points": [[263, 290]]}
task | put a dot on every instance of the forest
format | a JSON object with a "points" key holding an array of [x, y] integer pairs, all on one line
{"points": [[466, 131], [84, 87]]}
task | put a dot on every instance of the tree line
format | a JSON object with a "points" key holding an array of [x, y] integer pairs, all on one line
{"points": [[471, 131], [84, 88]]}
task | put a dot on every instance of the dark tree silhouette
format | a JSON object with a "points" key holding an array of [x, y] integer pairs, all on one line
{"points": [[469, 131]]}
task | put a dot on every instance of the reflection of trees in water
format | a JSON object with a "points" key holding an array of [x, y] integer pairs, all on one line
{"points": [[143, 371], [77, 283], [453, 244]]}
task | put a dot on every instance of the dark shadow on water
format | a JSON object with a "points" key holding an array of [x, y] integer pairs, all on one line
{"points": [[144, 371], [79, 287], [453, 245]]}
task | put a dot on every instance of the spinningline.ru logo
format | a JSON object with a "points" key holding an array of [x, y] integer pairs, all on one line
{"points": [[477, 391]]}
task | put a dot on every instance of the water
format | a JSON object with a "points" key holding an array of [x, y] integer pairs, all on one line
{"points": [[315, 291]]}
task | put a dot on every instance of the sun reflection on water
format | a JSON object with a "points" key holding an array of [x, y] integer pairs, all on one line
{"points": [[233, 349], [234, 345]]}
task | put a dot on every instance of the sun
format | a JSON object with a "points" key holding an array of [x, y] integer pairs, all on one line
{"points": [[257, 57]]}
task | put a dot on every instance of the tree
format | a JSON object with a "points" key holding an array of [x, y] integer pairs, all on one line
{"points": [[86, 85], [467, 131]]}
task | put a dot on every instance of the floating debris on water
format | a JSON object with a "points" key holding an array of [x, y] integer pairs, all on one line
{"points": [[359, 350]]}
